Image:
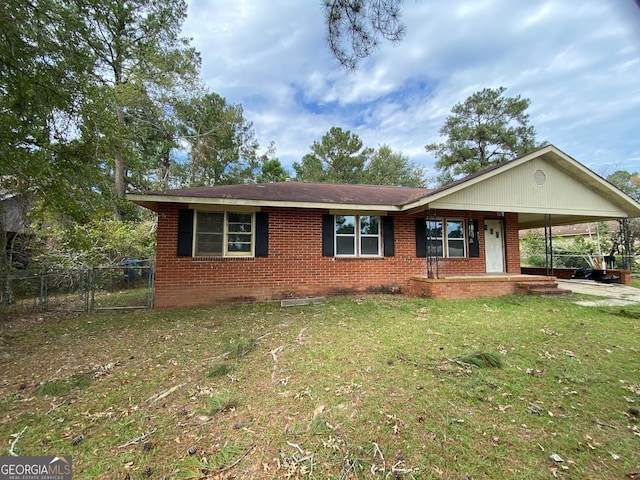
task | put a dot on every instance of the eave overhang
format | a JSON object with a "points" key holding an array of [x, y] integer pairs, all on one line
{"points": [[153, 202]]}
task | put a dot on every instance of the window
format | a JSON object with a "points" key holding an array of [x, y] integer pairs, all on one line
{"points": [[445, 238], [357, 235], [369, 235], [455, 238], [220, 234], [435, 240], [239, 233]]}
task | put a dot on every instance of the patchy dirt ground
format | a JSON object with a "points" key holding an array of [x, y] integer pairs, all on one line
{"points": [[355, 388]]}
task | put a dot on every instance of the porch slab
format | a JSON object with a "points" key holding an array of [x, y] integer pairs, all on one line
{"points": [[476, 286]]}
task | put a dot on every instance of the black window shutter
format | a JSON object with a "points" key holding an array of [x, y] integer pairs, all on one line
{"points": [[387, 234], [327, 235], [185, 232], [421, 238], [474, 244], [262, 234]]}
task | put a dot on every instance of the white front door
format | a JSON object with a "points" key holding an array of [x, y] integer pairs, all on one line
{"points": [[494, 246]]}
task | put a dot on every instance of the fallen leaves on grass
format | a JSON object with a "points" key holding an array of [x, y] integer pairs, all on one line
{"points": [[549, 331], [630, 387]]}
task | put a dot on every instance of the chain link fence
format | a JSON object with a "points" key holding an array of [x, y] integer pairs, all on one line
{"points": [[580, 261], [125, 286]]}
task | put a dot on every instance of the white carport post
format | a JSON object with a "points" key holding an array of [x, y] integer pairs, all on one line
{"points": [[548, 244], [626, 242]]}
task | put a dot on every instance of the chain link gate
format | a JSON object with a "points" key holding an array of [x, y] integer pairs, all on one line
{"points": [[123, 286], [65, 290], [126, 286]]}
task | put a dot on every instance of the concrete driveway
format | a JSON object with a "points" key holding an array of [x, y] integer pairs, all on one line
{"points": [[613, 294]]}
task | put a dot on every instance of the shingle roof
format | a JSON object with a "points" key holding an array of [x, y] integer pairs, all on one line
{"points": [[469, 193], [294, 191]]}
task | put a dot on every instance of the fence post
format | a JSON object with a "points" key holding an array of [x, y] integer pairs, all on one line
{"points": [[43, 291], [91, 288], [84, 286], [151, 284], [6, 296]]}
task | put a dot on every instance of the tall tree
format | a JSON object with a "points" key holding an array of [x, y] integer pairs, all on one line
{"points": [[627, 235], [271, 169], [138, 53], [393, 168], [356, 27], [484, 130], [223, 149], [82, 85], [43, 70], [629, 183], [340, 157]]}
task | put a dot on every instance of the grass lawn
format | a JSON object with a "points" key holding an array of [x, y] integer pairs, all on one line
{"points": [[370, 387]]}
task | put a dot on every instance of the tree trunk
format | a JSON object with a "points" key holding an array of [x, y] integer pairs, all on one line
{"points": [[6, 294], [4, 270], [119, 169]]}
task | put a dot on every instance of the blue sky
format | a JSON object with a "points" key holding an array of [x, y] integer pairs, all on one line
{"points": [[578, 61]]}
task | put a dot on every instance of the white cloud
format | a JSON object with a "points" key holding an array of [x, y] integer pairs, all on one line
{"points": [[577, 61]]}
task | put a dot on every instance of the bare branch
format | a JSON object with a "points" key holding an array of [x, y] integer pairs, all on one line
{"points": [[165, 393], [139, 439], [355, 27], [15, 441]]}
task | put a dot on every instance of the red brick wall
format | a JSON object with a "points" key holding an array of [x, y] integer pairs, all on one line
{"points": [[512, 243], [459, 290], [295, 266]]}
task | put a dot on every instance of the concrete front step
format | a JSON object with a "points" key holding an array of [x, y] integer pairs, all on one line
{"points": [[541, 288], [548, 291]]}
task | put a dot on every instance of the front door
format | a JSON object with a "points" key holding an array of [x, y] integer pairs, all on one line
{"points": [[494, 246]]}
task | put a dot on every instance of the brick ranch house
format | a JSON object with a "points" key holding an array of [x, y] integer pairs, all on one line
{"points": [[259, 242]]}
